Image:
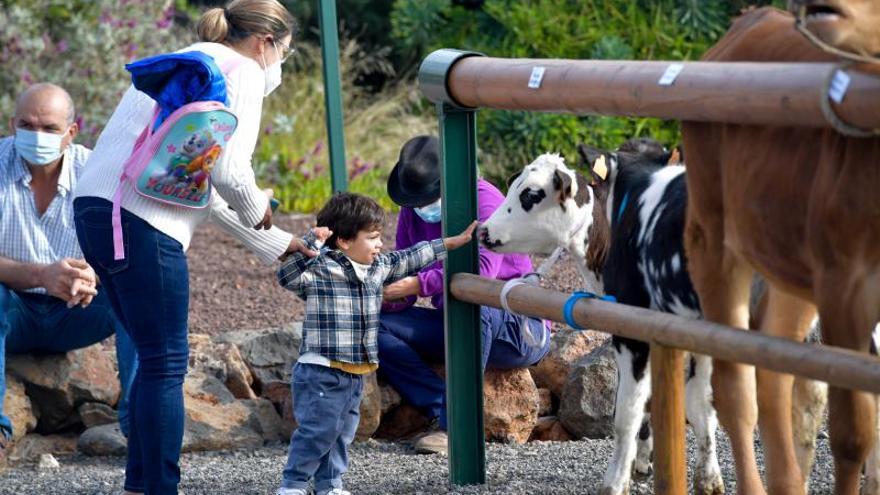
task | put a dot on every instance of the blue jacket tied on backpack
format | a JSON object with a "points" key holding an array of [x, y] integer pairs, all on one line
{"points": [[175, 79]]}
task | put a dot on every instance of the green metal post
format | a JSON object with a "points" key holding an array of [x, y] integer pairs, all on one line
{"points": [[332, 93], [464, 349]]}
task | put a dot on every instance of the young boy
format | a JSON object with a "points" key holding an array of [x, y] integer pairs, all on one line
{"points": [[342, 287]]}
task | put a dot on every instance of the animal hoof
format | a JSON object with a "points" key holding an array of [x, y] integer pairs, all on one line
{"points": [[710, 485], [642, 472]]}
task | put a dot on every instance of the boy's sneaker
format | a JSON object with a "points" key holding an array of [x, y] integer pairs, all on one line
{"points": [[335, 491], [292, 491]]}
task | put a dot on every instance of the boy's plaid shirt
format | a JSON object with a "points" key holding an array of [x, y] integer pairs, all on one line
{"points": [[342, 313]]}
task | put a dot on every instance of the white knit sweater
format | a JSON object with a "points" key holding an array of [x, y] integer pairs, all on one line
{"points": [[232, 177]]}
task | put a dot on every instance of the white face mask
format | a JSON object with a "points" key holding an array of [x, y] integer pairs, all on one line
{"points": [[272, 73], [38, 148]]}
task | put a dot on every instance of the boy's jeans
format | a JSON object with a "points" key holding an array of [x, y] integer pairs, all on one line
{"points": [[32, 322], [326, 405]]}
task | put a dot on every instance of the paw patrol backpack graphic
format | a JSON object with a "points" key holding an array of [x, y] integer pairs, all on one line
{"points": [[173, 157]]}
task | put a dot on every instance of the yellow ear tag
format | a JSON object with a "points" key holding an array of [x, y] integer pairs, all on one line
{"points": [[599, 167]]}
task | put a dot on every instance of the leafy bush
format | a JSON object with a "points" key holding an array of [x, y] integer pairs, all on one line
{"points": [[568, 29], [83, 46], [292, 156]]}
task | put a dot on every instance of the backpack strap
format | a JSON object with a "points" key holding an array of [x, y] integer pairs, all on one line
{"points": [[116, 216]]}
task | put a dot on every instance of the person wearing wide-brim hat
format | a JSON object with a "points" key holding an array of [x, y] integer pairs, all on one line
{"points": [[410, 337]]}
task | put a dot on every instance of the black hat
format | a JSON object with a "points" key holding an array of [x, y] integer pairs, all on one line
{"points": [[415, 179]]}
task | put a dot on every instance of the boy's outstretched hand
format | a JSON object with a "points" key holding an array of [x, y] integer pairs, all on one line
{"points": [[460, 240]]}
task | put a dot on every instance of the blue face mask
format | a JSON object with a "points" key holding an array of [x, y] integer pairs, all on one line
{"points": [[431, 213], [38, 148]]}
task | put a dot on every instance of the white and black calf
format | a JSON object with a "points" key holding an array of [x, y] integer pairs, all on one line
{"points": [[563, 201], [634, 248]]}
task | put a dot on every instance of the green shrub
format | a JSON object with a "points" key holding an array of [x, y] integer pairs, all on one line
{"points": [[292, 156], [567, 29]]}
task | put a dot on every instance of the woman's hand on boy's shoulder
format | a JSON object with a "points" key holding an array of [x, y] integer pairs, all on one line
{"points": [[322, 233], [298, 246], [460, 240]]}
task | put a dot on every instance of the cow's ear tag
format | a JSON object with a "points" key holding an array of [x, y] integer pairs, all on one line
{"points": [[599, 167]]}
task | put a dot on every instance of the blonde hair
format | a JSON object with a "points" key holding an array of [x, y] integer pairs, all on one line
{"points": [[243, 18]]}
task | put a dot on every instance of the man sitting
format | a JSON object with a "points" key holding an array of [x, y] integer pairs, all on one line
{"points": [[49, 296]]}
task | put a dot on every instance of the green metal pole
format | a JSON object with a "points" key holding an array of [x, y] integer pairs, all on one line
{"points": [[332, 93], [464, 349]]}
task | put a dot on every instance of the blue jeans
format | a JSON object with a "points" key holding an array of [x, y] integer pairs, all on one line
{"points": [[413, 338], [40, 323], [326, 405], [149, 291]]}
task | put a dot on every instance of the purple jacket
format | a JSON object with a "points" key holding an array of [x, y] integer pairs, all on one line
{"points": [[411, 230]]}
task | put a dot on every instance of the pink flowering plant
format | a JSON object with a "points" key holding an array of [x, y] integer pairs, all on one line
{"points": [[82, 45]]}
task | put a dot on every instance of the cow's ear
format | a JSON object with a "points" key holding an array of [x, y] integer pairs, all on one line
{"points": [[562, 184], [595, 161]]}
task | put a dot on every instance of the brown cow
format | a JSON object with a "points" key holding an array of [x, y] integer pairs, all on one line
{"points": [[802, 207]]}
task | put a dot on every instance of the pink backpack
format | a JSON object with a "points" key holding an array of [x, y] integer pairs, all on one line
{"points": [[173, 164]]}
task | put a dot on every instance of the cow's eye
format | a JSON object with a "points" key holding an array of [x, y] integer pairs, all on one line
{"points": [[510, 210]]}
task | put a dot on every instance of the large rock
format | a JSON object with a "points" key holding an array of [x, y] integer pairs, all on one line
{"points": [[401, 422], [17, 406], [549, 429], [278, 393], [31, 447], [371, 408], [567, 347], [222, 360], [587, 405], [97, 414], [269, 353], [102, 440], [58, 383], [390, 397], [510, 405], [216, 420], [546, 406]]}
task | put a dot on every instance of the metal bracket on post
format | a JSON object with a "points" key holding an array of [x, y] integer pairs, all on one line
{"points": [[464, 349], [332, 93], [434, 75]]}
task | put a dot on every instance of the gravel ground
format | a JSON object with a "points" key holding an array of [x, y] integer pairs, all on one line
{"points": [[376, 468]]}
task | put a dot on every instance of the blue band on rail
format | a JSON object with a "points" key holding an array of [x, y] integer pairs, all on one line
{"points": [[574, 298]]}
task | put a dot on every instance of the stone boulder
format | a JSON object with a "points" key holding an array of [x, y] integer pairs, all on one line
{"points": [[31, 447], [17, 406], [390, 397], [102, 440], [223, 361], [510, 405], [371, 408], [546, 404], [96, 414], [269, 353], [549, 429], [401, 422], [216, 420], [58, 384], [567, 347], [587, 405]]}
